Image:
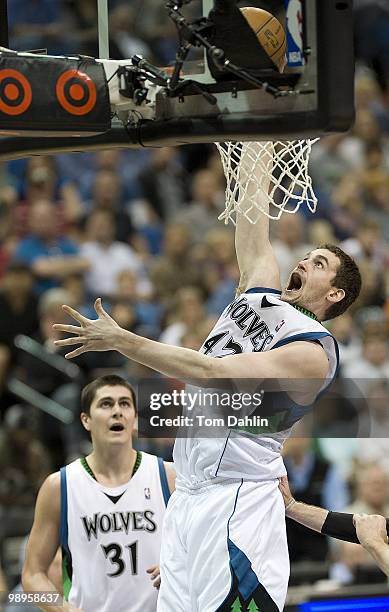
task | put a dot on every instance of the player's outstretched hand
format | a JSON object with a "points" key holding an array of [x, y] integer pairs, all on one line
{"points": [[155, 575], [371, 528], [93, 335]]}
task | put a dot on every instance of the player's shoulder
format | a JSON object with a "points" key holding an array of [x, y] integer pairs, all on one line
{"points": [[151, 459], [163, 466], [50, 492], [53, 481], [147, 457]]}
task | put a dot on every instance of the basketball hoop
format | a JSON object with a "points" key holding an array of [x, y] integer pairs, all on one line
{"points": [[273, 179]]}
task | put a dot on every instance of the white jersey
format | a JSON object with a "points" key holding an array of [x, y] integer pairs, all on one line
{"points": [[111, 536], [256, 321]]}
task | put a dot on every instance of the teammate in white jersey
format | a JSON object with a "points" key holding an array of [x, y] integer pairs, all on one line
{"points": [[105, 511], [224, 545]]}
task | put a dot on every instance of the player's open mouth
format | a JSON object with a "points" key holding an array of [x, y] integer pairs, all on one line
{"points": [[117, 427], [295, 282]]}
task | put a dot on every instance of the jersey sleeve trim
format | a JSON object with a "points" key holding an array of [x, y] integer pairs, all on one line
{"points": [[64, 511], [164, 482], [303, 336], [263, 290]]}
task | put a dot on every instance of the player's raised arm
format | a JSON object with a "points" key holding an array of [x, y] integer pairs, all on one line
{"points": [[43, 543], [300, 360], [256, 260]]}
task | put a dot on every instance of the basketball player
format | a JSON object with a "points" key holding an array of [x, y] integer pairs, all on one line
{"points": [[370, 530], [106, 512], [225, 543]]}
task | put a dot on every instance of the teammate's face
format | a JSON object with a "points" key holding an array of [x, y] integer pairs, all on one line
{"points": [[112, 415], [309, 284]]}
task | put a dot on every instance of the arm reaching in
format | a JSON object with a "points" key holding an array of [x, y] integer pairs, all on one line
{"points": [[369, 531], [309, 516]]}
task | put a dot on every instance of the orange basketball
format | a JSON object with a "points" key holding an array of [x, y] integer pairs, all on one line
{"points": [[269, 32]]}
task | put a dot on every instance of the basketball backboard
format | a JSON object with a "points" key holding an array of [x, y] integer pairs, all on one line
{"points": [[317, 88]]}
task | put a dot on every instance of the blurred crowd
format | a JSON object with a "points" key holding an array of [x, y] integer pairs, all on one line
{"points": [[140, 230]]}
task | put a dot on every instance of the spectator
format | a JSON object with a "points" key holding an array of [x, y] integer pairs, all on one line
{"points": [[349, 343], [43, 377], [368, 96], [207, 202], [372, 491], [372, 497], [126, 163], [43, 182], [372, 35], [19, 315], [108, 257], [367, 244], [365, 132], [176, 266], [321, 231], [373, 288], [52, 257], [372, 363], [375, 448], [148, 313], [163, 183], [24, 462], [187, 312], [327, 165], [107, 192], [36, 24], [74, 285], [220, 269]]}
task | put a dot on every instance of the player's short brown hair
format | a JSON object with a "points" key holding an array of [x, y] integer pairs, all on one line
{"points": [[348, 278], [88, 393]]}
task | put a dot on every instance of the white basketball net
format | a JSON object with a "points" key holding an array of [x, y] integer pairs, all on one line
{"points": [[266, 178]]}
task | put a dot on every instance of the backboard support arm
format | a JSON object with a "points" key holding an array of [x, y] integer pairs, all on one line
{"points": [[103, 27]]}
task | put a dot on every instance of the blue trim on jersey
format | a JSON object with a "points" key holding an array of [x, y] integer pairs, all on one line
{"points": [[63, 534], [303, 336], [263, 290], [164, 482], [336, 369], [247, 578], [240, 564], [220, 608], [221, 456]]}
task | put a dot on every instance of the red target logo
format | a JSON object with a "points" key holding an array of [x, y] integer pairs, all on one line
{"points": [[15, 92], [76, 92]]}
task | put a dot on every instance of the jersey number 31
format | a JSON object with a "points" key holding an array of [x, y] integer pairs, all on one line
{"points": [[114, 552]]}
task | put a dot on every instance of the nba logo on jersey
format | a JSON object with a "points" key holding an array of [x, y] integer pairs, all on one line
{"points": [[147, 493]]}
